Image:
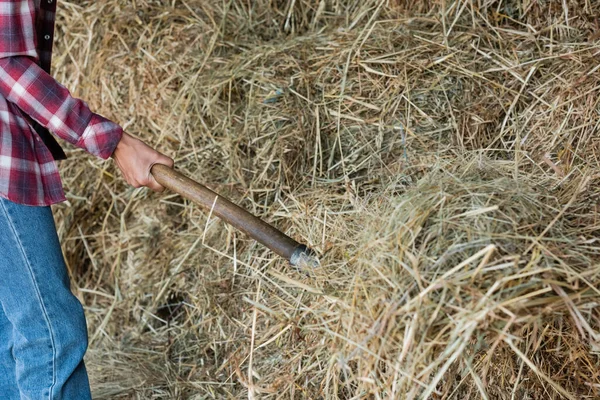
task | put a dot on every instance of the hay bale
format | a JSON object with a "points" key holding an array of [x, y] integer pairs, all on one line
{"points": [[441, 155]]}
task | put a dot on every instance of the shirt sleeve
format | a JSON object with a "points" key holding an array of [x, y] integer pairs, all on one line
{"points": [[38, 94]]}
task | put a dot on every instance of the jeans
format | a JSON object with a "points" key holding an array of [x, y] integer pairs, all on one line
{"points": [[43, 335]]}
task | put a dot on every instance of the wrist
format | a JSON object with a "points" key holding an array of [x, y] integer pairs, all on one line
{"points": [[124, 144]]}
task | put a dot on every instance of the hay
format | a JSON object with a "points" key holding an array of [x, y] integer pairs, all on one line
{"points": [[442, 156]]}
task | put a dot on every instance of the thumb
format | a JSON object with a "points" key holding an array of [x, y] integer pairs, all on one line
{"points": [[152, 182], [155, 186]]}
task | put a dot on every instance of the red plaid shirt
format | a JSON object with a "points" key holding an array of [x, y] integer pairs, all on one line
{"points": [[28, 172]]}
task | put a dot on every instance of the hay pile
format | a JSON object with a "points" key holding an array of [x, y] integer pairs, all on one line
{"points": [[442, 156]]}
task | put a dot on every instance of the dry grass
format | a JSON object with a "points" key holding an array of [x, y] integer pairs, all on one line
{"points": [[441, 155]]}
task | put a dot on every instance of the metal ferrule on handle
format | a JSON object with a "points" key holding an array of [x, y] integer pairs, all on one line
{"points": [[229, 212]]}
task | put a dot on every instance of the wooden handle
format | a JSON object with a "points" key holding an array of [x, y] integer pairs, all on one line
{"points": [[229, 212]]}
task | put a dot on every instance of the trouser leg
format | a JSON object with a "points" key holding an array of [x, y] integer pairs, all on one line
{"points": [[49, 330], [8, 380]]}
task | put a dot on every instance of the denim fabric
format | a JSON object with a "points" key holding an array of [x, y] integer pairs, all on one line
{"points": [[43, 335]]}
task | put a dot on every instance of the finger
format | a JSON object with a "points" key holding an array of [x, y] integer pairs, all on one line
{"points": [[130, 179], [154, 185], [149, 176], [171, 162], [165, 160]]}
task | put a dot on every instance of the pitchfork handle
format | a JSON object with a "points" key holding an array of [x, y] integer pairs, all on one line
{"points": [[229, 212]]}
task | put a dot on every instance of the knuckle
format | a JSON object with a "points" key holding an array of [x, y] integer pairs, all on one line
{"points": [[143, 180], [135, 183]]}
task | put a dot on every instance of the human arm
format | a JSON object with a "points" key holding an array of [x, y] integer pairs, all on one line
{"points": [[40, 96], [44, 99], [24, 83]]}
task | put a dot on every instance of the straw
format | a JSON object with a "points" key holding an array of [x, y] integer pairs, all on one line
{"points": [[441, 155]]}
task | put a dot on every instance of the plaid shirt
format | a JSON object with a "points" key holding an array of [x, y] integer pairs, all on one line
{"points": [[30, 96]]}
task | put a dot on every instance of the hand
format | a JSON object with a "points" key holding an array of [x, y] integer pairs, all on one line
{"points": [[135, 160]]}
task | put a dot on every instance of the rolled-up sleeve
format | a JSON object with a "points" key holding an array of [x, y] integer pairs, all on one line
{"points": [[38, 94]]}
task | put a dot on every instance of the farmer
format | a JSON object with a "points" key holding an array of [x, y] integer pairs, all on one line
{"points": [[43, 335]]}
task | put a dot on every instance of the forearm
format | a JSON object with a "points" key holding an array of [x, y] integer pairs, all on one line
{"points": [[39, 95]]}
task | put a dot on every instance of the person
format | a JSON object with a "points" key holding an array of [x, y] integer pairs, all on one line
{"points": [[43, 334]]}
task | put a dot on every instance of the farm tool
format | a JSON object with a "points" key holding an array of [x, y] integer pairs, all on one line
{"points": [[297, 254]]}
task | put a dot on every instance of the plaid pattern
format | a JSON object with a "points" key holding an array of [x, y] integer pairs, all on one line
{"points": [[28, 172]]}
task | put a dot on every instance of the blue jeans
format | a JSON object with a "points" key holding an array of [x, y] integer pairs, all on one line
{"points": [[43, 335]]}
